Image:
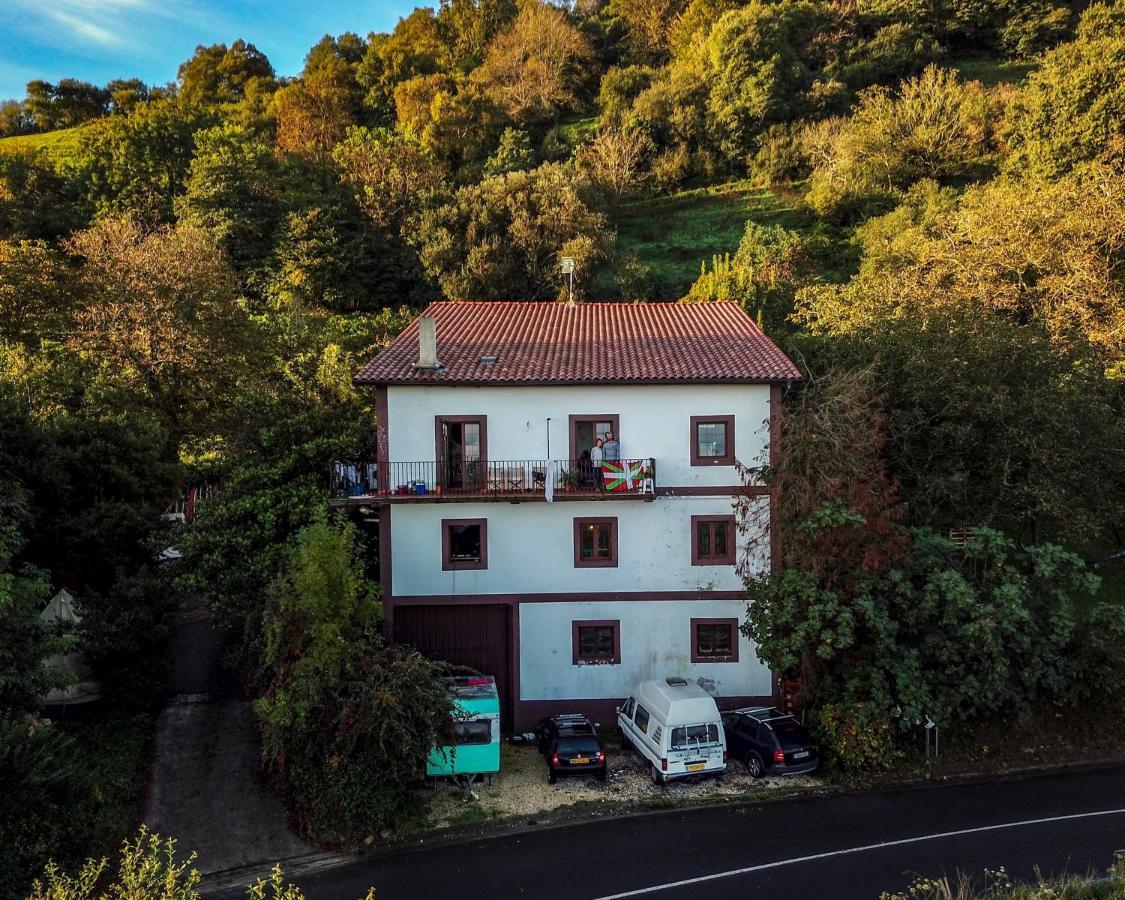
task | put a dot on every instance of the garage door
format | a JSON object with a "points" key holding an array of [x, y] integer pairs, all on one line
{"points": [[477, 636]]}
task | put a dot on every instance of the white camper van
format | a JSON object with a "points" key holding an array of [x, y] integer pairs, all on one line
{"points": [[676, 727]]}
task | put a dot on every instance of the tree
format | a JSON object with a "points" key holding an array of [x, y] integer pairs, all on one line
{"points": [[615, 160], [502, 238], [36, 202], [1072, 109], [392, 175], [647, 24], [138, 162], [514, 153], [534, 68], [415, 48], [315, 111], [933, 126], [455, 121], [35, 293], [996, 323], [467, 27], [160, 316], [233, 193], [221, 75]]}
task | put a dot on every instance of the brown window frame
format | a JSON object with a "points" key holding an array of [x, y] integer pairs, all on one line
{"points": [[727, 459], [439, 456], [697, 657], [579, 562], [576, 658], [457, 565], [613, 418], [732, 541]]}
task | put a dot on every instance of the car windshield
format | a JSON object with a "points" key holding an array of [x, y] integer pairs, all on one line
{"points": [[688, 736], [578, 745], [791, 734]]}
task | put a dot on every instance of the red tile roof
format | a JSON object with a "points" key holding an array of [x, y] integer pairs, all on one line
{"points": [[588, 343]]}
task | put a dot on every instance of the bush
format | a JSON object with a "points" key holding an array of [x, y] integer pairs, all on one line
{"points": [[347, 720], [857, 737]]}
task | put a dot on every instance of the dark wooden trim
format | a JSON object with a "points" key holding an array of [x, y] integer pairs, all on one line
{"points": [[615, 624], [732, 536], [696, 657], [439, 459], [576, 596], [726, 459], [604, 709], [452, 565], [385, 552], [748, 490], [777, 414], [572, 422], [579, 562]]}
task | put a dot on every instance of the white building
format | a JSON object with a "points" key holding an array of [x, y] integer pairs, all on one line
{"points": [[505, 547]]}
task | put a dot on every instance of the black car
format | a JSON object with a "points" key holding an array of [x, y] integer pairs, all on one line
{"points": [[571, 746], [769, 742]]}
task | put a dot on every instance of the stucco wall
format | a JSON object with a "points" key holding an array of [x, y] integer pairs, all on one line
{"points": [[655, 642], [531, 548], [655, 422]]}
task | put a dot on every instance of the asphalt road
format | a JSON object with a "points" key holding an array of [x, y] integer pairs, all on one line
{"points": [[828, 849]]}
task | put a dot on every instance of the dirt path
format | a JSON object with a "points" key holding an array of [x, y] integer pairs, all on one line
{"points": [[206, 789]]}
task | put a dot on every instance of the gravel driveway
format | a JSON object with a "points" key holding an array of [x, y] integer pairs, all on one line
{"points": [[521, 789]]}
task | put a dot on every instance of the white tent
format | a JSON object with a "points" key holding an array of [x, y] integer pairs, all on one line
{"points": [[81, 686]]}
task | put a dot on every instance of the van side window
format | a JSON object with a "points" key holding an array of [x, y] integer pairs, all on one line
{"points": [[642, 719], [475, 731], [627, 709]]}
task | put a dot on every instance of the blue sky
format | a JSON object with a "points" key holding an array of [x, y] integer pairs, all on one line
{"points": [[96, 40]]}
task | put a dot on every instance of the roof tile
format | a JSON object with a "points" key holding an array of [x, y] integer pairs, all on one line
{"points": [[587, 343]]}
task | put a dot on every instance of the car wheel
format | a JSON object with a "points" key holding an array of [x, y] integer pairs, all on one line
{"points": [[755, 766], [655, 775], [551, 777]]}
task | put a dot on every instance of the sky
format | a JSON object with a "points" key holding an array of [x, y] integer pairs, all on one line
{"points": [[98, 40]]}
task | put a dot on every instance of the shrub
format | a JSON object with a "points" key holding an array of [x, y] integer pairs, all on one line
{"points": [[858, 737], [347, 720]]}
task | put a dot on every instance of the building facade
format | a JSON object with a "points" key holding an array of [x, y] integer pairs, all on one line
{"points": [[506, 543]]}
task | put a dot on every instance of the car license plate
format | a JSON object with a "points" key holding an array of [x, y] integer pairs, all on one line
{"points": [[801, 755], [697, 767], [580, 760]]}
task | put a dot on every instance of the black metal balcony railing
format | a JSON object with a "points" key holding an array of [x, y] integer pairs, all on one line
{"points": [[506, 478]]}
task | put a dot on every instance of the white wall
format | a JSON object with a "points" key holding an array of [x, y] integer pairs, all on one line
{"points": [[531, 548], [655, 422], [655, 643]]}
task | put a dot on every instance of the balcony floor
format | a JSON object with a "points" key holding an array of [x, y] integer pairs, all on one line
{"points": [[488, 497]]}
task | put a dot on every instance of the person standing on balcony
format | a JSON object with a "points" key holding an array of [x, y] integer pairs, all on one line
{"points": [[597, 454], [611, 448]]}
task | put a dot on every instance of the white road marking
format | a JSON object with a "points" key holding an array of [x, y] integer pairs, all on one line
{"points": [[831, 853]]}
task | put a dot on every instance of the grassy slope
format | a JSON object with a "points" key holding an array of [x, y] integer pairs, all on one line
{"points": [[57, 144], [673, 234]]}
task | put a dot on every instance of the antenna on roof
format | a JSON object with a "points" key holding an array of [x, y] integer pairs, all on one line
{"points": [[567, 265]]}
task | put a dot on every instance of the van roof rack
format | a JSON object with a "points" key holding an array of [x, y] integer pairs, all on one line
{"points": [[675, 681]]}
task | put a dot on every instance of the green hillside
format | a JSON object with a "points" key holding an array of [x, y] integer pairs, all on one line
{"points": [[673, 234], [57, 144]]}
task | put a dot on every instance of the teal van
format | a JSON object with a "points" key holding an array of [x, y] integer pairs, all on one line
{"points": [[472, 747]]}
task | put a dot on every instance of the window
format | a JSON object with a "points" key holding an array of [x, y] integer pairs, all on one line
{"points": [[477, 731], [464, 544], [595, 543], [641, 721], [597, 643], [627, 709], [714, 640], [712, 440], [688, 737], [712, 540]]}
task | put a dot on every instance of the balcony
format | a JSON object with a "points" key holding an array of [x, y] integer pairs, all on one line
{"points": [[512, 481]]}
